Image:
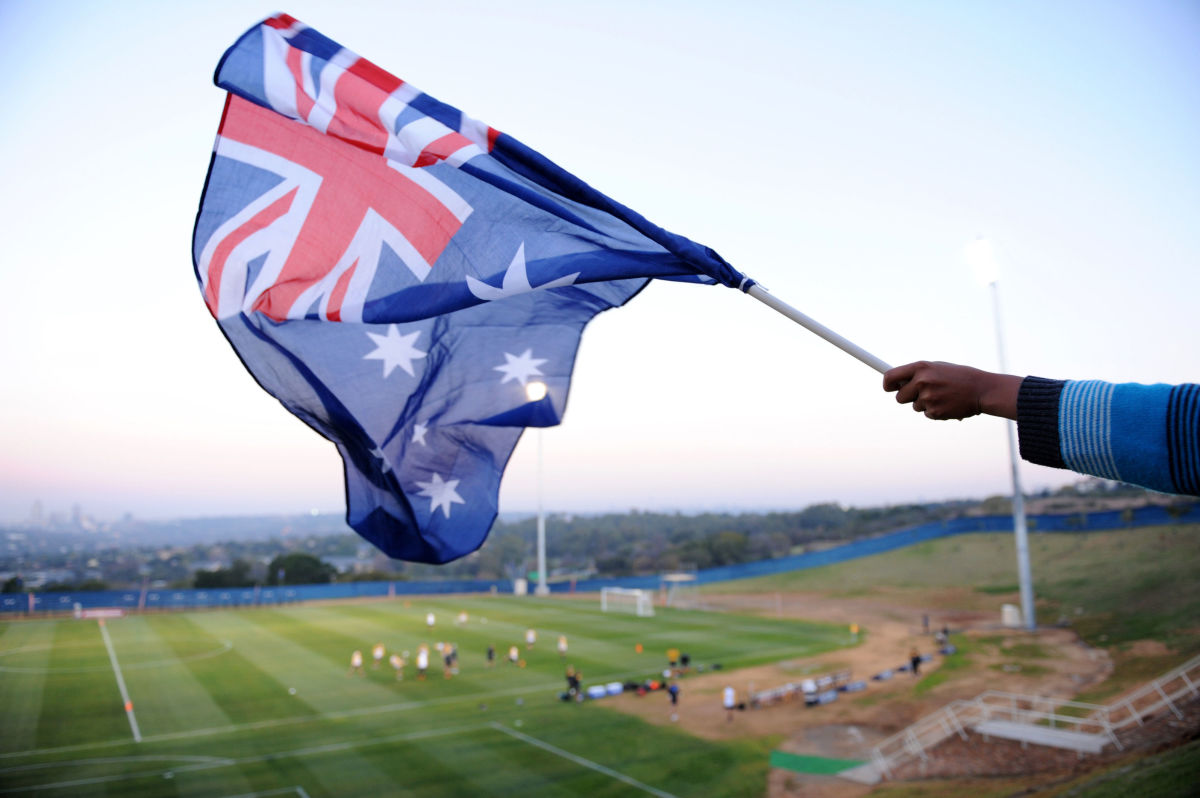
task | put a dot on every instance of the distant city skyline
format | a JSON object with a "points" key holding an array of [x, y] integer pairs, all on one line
{"points": [[82, 517], [842, 154]]}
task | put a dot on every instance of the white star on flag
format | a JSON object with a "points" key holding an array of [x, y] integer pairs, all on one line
{"points": [[520, 368], [378, 452], [441, 493], [516, 281], [419, 431], [394, 350]]}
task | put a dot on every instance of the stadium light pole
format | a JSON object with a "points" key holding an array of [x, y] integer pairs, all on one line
{"points": [[983, 260], [535, 392]]}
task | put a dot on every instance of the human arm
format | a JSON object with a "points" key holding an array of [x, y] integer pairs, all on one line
{"points": [[1146, 435]]}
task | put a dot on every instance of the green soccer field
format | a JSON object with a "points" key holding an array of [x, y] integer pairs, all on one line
{"points": [[210, 697]]}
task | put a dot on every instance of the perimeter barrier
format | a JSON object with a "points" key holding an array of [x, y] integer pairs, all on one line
{"points": [[150, 599], [230, 598]]}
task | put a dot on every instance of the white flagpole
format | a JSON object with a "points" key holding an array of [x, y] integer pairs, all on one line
{"points": [[764, 296]]}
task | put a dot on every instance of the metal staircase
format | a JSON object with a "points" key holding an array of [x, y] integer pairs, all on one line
{"points": [[1085, 728]]}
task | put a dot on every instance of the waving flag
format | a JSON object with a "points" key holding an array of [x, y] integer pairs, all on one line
{"points": [[396, 273]]}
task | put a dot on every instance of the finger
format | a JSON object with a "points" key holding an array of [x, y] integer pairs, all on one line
{"points": [[909, 393], [896, 378]]}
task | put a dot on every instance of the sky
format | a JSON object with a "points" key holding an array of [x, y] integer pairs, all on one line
{"points": [[842, 154]]}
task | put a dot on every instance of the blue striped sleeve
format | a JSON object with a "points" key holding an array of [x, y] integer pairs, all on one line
{"points": [[1183, 438], [1085, 428], [1118, 432], [1146, 435]]}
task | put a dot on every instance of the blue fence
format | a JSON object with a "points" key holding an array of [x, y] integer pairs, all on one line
{"points": [[237, 597], [248, 597]]}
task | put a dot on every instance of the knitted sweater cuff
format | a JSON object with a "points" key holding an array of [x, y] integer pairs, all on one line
{"points": [[1037, 421]]}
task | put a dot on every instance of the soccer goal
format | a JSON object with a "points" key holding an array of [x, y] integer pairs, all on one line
{"points": [[680, 590], [627, 599]]}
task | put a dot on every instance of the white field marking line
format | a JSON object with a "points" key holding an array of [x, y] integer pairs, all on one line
{"points": [[298, 790], [697, 625], [347, 713], [587, 763], [223, 763], [103, 779], [339, 714], [111, 760], [226, 645], [708, 629], [112, 657]]}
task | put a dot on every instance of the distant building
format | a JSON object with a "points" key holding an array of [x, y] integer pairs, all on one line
{"points": [[49, 576], [352, 565]]}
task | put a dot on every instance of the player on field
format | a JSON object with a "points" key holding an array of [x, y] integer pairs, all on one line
{"points": [[573, 686], [422, 661], [398, 666], [530, 638], [429, 620], [513, 654], [562, 646], [491, 656], [377, 654], [356, 662]]}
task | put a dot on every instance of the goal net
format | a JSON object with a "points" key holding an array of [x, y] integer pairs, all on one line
{"points": [[679, 590], [627, 599]]}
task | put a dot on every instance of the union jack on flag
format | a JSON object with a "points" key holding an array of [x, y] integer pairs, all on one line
{"points": [[396, 273]]}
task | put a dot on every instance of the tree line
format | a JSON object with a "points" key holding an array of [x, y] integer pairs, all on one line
{"points": [[614, 544]]}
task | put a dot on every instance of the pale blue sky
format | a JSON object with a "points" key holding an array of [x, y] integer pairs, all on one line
{"points": [[841, 153]]}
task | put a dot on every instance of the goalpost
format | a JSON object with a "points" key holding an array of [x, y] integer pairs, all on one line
{"points": [[680, 590], [627, 599]]}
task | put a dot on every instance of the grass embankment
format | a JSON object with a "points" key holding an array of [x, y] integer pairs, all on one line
{"points": [[1171, 774], [1114, 588]]}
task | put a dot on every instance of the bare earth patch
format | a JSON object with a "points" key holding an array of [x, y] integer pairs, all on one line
{"points": [[1148, 648], [1052, 662]]}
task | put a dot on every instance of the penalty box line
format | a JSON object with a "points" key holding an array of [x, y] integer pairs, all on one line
{"points": [[112, 657], [578, 760], [297, 791], [295, 720], [218, 763], [338, 714]]}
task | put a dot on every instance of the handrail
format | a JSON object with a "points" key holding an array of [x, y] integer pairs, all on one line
{"points": [[1188, 674], [959, 715]]}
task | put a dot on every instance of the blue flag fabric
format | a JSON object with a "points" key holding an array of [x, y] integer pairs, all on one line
{"points": [[398, 275]]}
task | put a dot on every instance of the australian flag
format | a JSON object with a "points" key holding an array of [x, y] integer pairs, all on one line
{"points": [[408, 281]]}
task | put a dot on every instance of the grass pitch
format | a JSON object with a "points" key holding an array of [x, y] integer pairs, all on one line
{"points": [[211, 694]]}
